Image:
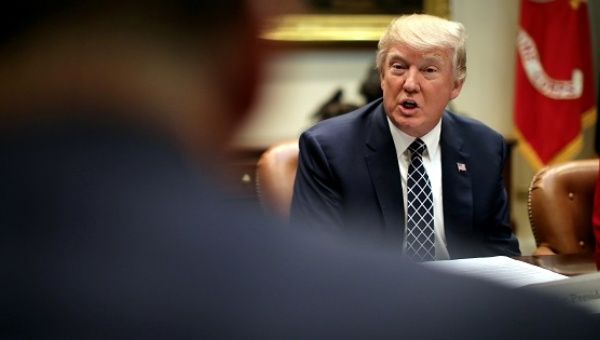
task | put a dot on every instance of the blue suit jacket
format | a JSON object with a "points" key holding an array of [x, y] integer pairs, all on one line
{"points": [[348, 178]]}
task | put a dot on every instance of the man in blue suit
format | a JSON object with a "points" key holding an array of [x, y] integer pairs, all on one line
{"points": [[354, 170]]}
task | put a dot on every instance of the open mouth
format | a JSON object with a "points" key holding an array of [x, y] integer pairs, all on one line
{"points": [[409, 104]]}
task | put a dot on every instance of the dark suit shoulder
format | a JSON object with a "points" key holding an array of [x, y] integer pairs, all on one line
{"points": [[470, 127], [349, 125]]}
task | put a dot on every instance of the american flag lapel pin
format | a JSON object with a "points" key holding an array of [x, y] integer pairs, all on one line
{"points": [[462, 167]]}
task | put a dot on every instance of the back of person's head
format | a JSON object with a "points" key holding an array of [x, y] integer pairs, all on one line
{"points": [[190, 67], [424, 32], [25, 15]]}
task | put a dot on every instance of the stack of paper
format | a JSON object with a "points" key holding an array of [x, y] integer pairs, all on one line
{"points": [[583, 290], [500, 269]]}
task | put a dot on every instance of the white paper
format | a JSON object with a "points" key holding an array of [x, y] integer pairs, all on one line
{"points": [[500, 269], [583, 290]]}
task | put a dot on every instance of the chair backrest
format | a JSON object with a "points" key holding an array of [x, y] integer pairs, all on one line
{"points": [[275, 175], [561, 199]]}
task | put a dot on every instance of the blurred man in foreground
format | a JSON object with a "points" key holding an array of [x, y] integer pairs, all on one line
{"points": [[110, 225]]}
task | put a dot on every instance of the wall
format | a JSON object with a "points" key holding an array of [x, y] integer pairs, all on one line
{"points": [[298, 82], [488, 92]]}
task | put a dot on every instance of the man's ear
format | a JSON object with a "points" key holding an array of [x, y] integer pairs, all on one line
{"points": [[241, 70], [457, 87]]}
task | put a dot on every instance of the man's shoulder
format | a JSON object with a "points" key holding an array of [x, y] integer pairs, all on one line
{"points": [[469, 127], [351, 123]]}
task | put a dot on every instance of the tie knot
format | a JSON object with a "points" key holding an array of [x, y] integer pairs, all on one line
{"points": [[417, 147]]}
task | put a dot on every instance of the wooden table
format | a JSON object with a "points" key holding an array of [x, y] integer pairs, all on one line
{"points": [[567, 264]]}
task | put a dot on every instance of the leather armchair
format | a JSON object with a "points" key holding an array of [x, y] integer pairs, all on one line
{"points": [[561, 199], [275, 176]]}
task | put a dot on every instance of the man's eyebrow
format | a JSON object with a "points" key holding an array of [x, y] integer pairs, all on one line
{"points": [[433, 58], [396, 57], [427, 58]]}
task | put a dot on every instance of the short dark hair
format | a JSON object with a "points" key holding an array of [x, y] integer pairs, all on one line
{"points": [[189, 14]]}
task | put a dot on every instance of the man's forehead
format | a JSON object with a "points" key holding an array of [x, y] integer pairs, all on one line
{"points": [[405, 52]]}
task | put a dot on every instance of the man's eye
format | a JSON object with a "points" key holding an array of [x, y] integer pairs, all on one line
{"points": [[430, 70], [398, 66]]}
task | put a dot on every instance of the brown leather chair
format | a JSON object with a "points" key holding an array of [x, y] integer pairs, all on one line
{"points": [[275, 175], [561, 199]]}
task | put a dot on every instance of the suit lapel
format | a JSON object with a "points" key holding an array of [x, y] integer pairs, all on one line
{"points": [[456, 182], [382, 164]]}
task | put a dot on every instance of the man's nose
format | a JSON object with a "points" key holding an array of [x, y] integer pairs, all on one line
{"points": [[411, 83]]}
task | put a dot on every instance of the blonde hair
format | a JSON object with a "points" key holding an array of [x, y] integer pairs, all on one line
{"points": [[424, 32]]}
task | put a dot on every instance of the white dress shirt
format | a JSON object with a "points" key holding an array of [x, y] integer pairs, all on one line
{"points": [[432, 161]]}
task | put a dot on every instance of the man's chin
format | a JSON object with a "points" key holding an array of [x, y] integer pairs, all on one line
{"points": [[412, 126]]}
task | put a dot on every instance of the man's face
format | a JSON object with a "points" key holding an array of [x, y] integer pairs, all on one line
{"points": [[417, 86]]}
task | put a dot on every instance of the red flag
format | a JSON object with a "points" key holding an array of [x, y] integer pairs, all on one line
{"points": [[554, 80]]}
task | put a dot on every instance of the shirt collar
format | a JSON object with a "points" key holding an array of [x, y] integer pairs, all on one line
{"points": [[402, 141]]}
